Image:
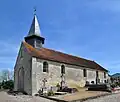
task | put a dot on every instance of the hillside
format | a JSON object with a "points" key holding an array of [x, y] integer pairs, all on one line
{"points": [[116, 75]]}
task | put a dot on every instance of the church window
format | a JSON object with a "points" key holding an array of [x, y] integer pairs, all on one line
{"points": [[97, 75], [45, 67], [84, 72], [104, 75], [62, 69]]}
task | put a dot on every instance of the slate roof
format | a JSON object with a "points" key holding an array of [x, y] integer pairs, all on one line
{"points": [[35, 27], [57, 56]]}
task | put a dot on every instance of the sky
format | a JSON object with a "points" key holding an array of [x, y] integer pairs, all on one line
{"points": [[85, 28]]}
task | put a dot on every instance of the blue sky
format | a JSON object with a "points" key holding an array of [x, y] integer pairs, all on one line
{"points": [[86, 28]]}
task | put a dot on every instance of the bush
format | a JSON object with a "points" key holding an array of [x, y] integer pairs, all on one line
{"points": [[40, 92], [0, 85], [113, 85], [58, 86], [8, 84], [117, 84], [51, 93]]}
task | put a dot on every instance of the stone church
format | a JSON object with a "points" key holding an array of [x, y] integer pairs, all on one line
{"points": [[37, 67]]}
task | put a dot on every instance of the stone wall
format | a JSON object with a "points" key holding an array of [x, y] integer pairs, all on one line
{"points": [[73, 75], [91, 75], [23, 61]]}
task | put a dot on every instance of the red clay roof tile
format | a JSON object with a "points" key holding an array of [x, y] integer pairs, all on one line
{"points": [[53, 55]]}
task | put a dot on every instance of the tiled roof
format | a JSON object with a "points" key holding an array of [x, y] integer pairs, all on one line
{"points": [[57, 56]]}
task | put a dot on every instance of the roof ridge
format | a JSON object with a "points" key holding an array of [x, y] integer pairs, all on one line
{"points": [[68, 54], [61, 53], [49, 54]]}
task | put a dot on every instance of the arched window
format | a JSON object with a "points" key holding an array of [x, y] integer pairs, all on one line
{"points": [[104, 74], [62, 69], [21, 79], [45, 67], [97, 75], [84, 72]]}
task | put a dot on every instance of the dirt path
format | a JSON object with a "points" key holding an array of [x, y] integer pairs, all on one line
{"points": [[82, 94], [4, 97], [109, 98]]}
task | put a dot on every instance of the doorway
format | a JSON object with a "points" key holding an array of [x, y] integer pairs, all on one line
{"points": [[21, 79]]}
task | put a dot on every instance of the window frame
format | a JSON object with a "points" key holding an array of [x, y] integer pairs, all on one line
{"points": [[97, 74], [84, 72], [104, 74], [62, 69], [45, 67]]}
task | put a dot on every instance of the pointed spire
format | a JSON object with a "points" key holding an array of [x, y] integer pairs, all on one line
{"points": [[35, 28]]}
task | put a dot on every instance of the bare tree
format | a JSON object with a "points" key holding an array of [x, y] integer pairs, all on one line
{"points": [[5, 74], [11, 75]]}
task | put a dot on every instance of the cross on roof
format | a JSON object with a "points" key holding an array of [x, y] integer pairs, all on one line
{"points": [[35, 27], [34, 10]]}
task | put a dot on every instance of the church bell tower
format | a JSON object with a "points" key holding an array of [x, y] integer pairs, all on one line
{"points": [[34, 35]]}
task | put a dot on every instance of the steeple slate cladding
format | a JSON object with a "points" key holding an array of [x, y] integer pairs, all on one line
{"points": [[34, 35], [35, 28]]}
